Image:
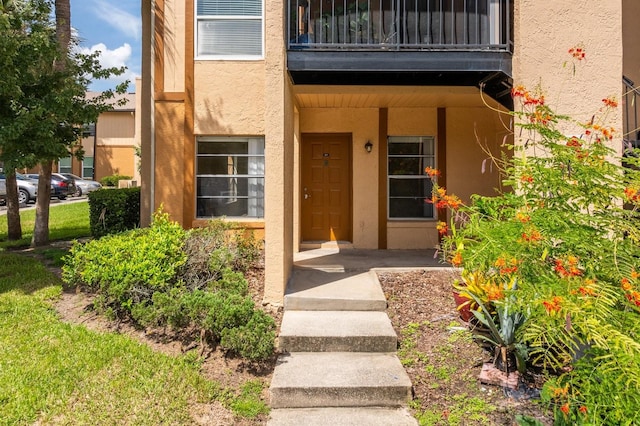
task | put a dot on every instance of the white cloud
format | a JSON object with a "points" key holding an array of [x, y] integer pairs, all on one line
{"points": [[125, 22], [118, 57]]}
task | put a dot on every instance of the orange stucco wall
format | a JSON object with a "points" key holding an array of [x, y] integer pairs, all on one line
{"points": [[111, 160], [169, 157]]}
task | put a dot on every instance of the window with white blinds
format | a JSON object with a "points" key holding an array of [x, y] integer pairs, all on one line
{"points": [[229, 29]]}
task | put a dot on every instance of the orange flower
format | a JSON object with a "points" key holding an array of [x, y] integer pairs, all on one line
{"points": [[457, 259], [577, 52], [432, 172], [532, 236], [610, 102], [587, 291], [631, 194], [635, 275], [494, 292], [565, 408], [583, 409], [523, 217], [625, 284], [571, 268], [518, 91], [442, 228], [560, 392], [526, 179], [553, 305]]}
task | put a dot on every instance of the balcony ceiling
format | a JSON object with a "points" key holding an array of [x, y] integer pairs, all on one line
{"points": [[314, 96]]}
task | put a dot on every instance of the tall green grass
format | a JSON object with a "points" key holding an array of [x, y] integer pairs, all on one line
{"points": [[66, 222], [54, 372]]}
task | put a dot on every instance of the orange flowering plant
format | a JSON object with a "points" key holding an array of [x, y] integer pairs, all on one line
{"points": [[568, 234]]}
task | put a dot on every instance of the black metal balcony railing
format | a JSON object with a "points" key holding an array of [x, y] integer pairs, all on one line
{"points": [[400, 24]]}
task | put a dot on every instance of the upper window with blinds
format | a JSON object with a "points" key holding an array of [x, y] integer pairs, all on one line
{"points": [[229, 29]]}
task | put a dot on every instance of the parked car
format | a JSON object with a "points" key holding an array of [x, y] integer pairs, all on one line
{"points": [[61, 187], [3, 192], [83, 186], [27, 188]]}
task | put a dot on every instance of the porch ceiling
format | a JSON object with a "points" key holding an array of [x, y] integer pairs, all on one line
{"points": [[312, 96]]}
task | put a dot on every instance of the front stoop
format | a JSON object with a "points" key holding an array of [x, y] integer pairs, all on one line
{"points": [[338, 364], [339, 379], [341, 416], [336, 331]]}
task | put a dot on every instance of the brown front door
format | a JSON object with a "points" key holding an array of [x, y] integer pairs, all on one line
{"points": [[326, 187]]}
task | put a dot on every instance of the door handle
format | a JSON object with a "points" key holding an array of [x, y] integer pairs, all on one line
{"points": [[307, 196]]}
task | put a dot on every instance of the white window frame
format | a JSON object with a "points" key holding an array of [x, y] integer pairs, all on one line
{"points": [[93, 170], [233, 177], [198, 18], [70, 167], [432, 164]]}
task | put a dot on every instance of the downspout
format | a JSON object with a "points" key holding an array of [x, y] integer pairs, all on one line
{"points": [[152, 121]]}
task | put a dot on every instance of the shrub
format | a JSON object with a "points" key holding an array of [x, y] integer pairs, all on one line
{"points": [[112, 181], [112, 211], [568, 235], [164, 276], [128, 268]]}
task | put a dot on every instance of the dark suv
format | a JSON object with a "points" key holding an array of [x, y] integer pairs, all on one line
{"points": [[61, 187]]}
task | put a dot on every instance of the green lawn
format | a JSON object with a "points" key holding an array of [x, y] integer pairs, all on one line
{"points": [[66, 222], [54, 372]]}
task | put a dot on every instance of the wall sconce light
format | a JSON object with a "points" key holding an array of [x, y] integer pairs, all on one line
{"points": [[368, 146]]}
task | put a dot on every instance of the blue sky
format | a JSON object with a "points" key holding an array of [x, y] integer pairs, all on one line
{"points": [[115, 29]]}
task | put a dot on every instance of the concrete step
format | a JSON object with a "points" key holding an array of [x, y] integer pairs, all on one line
{"points": [[326, 290], [336, 331], [341, 416], [339, 379]]}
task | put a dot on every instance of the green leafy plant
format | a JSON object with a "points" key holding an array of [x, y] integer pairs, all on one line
{"points": [[568, 232], [114, 211], [164, 276], [112, 180]]}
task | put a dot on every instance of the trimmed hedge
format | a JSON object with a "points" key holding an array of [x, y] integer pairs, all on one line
{"points": [[114, 210]]}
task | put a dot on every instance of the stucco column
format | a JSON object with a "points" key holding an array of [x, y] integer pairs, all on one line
{"points": [[279, 131], [544, 31]]}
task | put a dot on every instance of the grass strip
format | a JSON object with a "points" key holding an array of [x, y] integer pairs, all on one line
{"points": [[54, 372], [66, 222]]}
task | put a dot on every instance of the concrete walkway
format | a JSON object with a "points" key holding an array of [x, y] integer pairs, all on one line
{"points": [[339, 364]]}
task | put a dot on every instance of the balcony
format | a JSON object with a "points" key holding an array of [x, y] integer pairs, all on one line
{"points": [[401, 42]]}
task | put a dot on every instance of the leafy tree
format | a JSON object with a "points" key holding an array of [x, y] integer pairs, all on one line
{"points": [[43, 101]]}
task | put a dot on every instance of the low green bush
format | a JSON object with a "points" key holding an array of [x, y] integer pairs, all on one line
{"points": [[114, 211], [112, 180], [164, 276]]}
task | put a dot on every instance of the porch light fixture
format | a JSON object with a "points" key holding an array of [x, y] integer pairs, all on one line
{"points": [[368, 146]]}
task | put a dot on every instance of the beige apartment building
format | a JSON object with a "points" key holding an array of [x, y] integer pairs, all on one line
{"points": [[109, 143], [313, 120]]}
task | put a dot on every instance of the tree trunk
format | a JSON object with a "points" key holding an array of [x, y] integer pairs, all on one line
{"points": [[63, 29], [13, 208], [41, 228], [63, 37]]}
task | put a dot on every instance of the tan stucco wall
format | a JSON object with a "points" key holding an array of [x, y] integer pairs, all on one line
{"points": [[230, 98], [362, 123], [474, 135], [174, 34], [116, 125], [541, 44]]}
